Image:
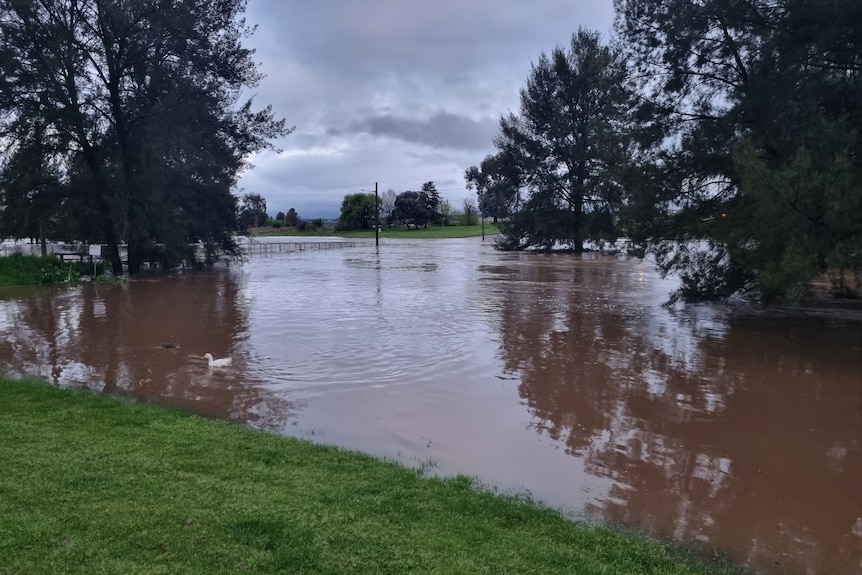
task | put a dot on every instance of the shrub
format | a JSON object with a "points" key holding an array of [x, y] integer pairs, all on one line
{"points": [[18, 269]]}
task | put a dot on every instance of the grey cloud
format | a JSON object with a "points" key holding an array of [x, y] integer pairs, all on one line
{"points": [[311, 182], [442, 130], [392, 91]]}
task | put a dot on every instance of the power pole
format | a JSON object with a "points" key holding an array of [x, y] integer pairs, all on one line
{"points": [[482, 215], [377, 218]]}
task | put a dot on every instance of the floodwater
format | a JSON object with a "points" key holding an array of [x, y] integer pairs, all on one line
{"points": [[558, 376]]}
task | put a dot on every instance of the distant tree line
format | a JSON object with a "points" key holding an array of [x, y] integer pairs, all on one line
{"points": [[722, 137], [412, 209], [253, 214], [122, 123]]}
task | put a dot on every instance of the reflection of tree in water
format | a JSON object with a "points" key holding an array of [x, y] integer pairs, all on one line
{"points": [[34, 325], [143, 340], [714, 429]]}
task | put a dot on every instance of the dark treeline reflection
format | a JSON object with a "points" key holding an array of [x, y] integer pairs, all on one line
{"points": [[741, 431], [143, 340]]}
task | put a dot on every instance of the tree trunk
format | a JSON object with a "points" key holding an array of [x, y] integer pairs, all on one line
{"points": [[42, 237], [136, 258], [112, 248], [577, 236], [140, 243]]}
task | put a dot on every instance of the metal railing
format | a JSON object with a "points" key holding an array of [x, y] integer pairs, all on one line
{"points": [[35, 249], [270, 248], [80, 251]]}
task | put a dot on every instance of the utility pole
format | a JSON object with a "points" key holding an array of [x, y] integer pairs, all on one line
{"points": [[377, 218], [482, 214]]}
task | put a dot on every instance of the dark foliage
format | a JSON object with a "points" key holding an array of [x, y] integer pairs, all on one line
{"points": [[412, 209], [563, 149], [137, 106], [757, 184], [358, 212]]}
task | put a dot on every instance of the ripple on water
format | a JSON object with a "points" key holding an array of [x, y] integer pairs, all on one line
{"points": [[562, 375]]}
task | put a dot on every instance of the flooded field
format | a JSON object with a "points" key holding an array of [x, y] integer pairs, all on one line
{"points": [[554, 375]]}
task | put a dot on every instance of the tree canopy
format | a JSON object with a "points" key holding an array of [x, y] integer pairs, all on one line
{"points": [[135, 107], [252, 211], [387, 205], [497, 181], [759, 108], [722, 137], [292, 217], [563, 148], [412, 209], [358, 211], [430, 190]]}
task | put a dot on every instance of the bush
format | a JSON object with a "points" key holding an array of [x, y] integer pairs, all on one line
{"points": [[468, 219], [18, 269]]}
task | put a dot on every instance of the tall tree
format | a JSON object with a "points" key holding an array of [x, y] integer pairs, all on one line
{"points": [[30, 188], [497, 181], [566, 143], [469, 213], [412, 209], [292, 217], [146, 97], [430, 190], [387, 204], [252, 211], [445, 209], [358, 211], [750, 94]]}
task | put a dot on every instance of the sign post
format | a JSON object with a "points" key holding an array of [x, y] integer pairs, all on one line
{"points": [[95, 251]]}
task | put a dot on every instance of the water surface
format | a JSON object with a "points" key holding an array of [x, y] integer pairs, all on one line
{"points": [[555, 375]]}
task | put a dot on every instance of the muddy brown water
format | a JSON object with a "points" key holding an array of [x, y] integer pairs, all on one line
{"points": [[556, 376]]}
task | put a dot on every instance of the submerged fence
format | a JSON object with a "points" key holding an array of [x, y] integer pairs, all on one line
{"points": [[80, 252], [63, 251], [270, 248]]}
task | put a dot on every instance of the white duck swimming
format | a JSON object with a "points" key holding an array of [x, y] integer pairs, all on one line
{"points": [[223, 362]]}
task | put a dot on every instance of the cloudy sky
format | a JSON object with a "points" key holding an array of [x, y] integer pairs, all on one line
{"points": [[397, 92]]}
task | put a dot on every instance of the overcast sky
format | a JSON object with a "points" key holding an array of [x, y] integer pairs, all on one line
{"points": [[397, 92]]}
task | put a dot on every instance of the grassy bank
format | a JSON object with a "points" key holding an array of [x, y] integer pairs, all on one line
{"points": [[95, 485], [17, 269], [432, 232]]}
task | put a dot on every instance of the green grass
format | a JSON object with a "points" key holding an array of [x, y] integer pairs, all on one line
{"points": [[94, 485], [432, 232], [18, 269]]}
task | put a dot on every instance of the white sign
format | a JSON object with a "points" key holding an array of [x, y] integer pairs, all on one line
{"points": [[95, 250]]}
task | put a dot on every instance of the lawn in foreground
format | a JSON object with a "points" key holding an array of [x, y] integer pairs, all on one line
{"points": [[92, 484]]}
